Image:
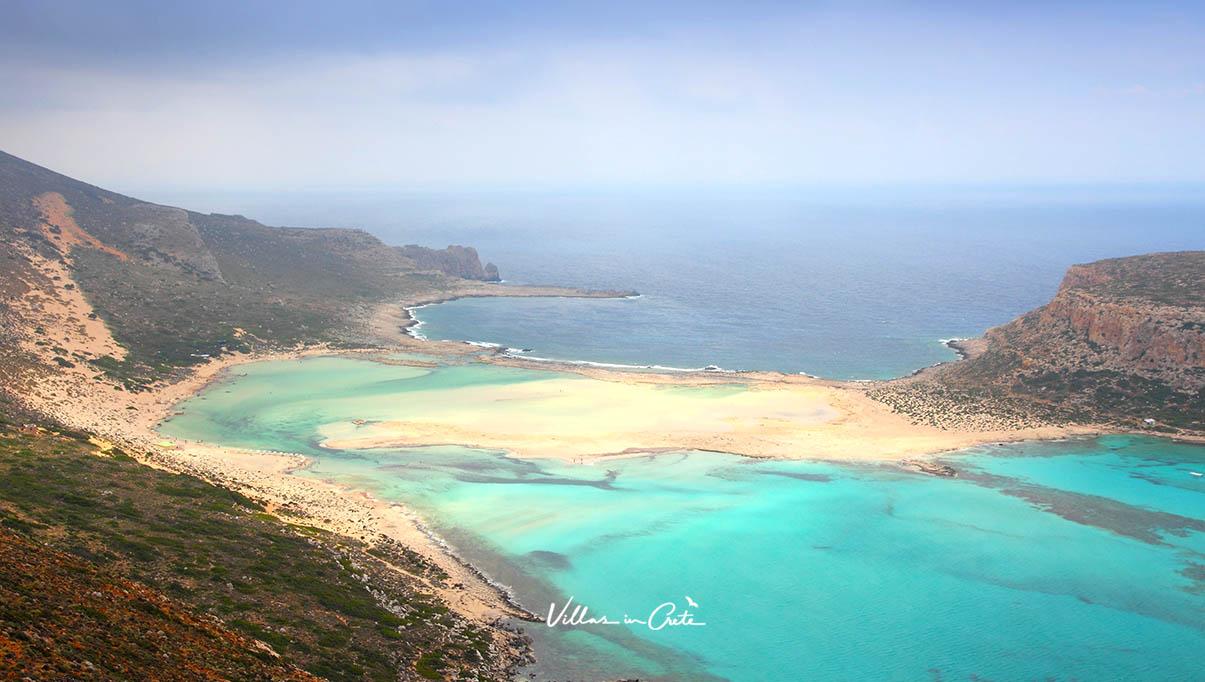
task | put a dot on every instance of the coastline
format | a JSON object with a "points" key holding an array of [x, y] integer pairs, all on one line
{"points": [[269, 477], [407, 322], [77, 399], [641, 463], [130, 421]]}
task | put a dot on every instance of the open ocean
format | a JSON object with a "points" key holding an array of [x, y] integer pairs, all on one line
{"points": [[844, 283]]}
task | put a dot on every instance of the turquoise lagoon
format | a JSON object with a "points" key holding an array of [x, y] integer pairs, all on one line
{"points": [[1064, 560]]}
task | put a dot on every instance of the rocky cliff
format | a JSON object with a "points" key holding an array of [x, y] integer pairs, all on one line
{"points": [[1122, 341], [457, 261]]}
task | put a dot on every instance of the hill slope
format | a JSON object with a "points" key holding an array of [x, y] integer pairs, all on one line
{"points": [[63, 618], [1122, 342], [102, 297], [149, 287], [145, 574]]}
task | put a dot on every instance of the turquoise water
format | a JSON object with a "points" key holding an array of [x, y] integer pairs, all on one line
{"points": [[1080, 559]]}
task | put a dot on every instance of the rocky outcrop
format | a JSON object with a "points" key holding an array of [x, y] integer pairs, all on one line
{"points": [[1123, 340], [1159, 341], [457, 261]]}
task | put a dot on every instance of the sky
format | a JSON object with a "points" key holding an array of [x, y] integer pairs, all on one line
{"points": [[263, 96]]}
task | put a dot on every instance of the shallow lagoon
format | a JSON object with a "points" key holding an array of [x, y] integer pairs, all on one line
{"points": [[1077, 559]]}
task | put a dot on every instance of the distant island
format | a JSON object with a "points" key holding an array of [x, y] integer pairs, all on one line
{"points": [[114, 310]]}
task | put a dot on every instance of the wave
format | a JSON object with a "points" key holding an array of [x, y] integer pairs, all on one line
{"points": [[522, 353], [412, 330]]}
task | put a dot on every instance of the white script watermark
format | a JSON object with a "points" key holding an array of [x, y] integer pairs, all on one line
{"points": [[664, 615]]}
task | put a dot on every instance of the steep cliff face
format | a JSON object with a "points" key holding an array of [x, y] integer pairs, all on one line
{"points": [[457, 261], [1123, 340]]}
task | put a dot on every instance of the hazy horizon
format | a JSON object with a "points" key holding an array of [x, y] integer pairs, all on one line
{"points": [[141, 96]]}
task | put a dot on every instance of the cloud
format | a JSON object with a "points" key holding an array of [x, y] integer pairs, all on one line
{"points": [[822, 97]]}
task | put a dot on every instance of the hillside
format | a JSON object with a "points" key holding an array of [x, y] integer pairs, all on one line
{"points": [[63, 618], [173, 286], [1122, 342], [111, 569]]}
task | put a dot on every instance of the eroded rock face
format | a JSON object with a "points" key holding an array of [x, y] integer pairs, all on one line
{"points": [[457, 261], [1122, 337], [1082, 329]]}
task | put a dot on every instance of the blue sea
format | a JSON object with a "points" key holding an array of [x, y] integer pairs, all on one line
{"points": [[842, 283], [1068, 560]]}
